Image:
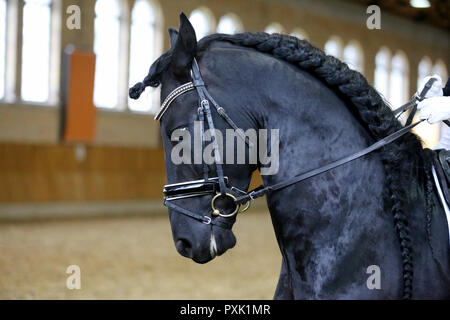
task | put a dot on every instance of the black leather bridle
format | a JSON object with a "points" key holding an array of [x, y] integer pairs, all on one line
{"points": [[219, 187]]}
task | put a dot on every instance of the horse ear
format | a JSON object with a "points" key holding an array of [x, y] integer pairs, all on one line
{"points": [[185, 47], [173, 34]]}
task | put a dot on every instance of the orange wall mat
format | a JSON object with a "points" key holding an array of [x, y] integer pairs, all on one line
{"points": [[80, 120]]}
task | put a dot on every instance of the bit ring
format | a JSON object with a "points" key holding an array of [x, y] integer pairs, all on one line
{"points": [[216, 212]]}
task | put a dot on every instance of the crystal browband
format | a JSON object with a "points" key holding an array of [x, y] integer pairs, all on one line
{"points": [[172, 96]]}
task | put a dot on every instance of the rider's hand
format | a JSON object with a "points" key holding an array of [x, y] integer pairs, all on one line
{"points": [[436, 88], [434, 109]]}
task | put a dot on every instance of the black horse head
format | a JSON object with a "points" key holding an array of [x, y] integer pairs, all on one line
{"points": [[194, 239]]}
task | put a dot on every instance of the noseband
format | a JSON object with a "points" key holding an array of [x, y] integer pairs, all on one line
{"points": [[219, 187]]}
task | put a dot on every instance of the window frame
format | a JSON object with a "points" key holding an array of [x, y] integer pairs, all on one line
{"points": [[359, 58], [405, 74], [277, 28], [300, 33], [5, 27], [236, 21], [386, 69], [339, 46], [121, 55], [158, 25], [54, 64], [210, 20]]}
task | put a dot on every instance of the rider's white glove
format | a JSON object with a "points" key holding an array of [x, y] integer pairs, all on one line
{"points": [[436, 88], [434, 109]]}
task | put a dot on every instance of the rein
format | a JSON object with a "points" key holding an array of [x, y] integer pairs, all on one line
{"points": [[222, 189], [261, 190]]}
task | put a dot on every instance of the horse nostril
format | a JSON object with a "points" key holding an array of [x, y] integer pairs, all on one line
{"points": [[184, 248]]}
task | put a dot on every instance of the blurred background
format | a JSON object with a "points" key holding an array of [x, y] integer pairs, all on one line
{"points": [[81, 165]]}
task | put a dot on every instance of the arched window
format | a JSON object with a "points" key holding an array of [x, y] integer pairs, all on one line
{"points": [[36, 49], [300, 33], [423, 70], [230, 24], [353, 56], [440, 69], [144, 49], [107, 50], [2, 47], [399, 80], [203, 21], [382, 72], [333, 47], [274, 27]]}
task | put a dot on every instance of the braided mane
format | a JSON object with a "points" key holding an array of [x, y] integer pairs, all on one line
{"points": [[403, 159]]}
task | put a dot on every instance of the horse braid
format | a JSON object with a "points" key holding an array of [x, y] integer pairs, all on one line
{"points": [[401, 226], [429, 187]]}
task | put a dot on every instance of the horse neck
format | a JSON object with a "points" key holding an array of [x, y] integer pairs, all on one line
{"points": [[311, 217], [315, 128], [331, 227]]}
